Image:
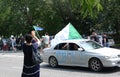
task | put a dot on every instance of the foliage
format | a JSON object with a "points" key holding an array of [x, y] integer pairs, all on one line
{"points": [[116, 46], [18, 16], [109, 18]]}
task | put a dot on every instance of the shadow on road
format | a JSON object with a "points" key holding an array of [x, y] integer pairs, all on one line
{"points": [[81, 69]]}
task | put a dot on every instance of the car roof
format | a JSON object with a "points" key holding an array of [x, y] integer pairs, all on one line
{"points": [[73, 40], [69, 41]]}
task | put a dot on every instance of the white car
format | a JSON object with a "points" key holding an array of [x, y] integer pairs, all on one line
{"points": [[84, 53]]}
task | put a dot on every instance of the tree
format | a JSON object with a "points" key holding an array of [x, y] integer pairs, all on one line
{"points": [[52, 15], [21, 19], [110, 18], [61, 12]]}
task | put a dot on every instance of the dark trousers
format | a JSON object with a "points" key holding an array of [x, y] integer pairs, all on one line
{"points": [[35, 75]]}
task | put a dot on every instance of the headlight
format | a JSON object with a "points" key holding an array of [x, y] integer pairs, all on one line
{"points": [[110, 57]]}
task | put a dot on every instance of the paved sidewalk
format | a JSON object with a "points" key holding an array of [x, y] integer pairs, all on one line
{"points": [[11, 64], [11, 51]]}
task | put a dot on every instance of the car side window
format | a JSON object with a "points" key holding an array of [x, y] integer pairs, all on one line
{"points": [[65, 46], [73, 46], [61, 46]]}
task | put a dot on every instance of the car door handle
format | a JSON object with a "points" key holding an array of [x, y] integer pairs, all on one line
{"points": [[54, 53], [69, 53]]}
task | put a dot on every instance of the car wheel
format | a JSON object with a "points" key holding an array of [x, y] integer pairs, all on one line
{"points": [[53, 62], [95, 64]]}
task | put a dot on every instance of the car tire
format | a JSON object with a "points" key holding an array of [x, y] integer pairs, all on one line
{"points": [[95, 64], [53, 62]]}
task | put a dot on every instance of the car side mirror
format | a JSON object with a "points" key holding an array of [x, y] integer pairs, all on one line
{"points": [[80, 49]]}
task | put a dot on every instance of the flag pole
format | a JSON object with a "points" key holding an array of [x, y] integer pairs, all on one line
{"points": [[37, 28], [37, 34]]}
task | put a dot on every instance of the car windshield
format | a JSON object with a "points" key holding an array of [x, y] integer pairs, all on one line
{"points": [[90, 45]]}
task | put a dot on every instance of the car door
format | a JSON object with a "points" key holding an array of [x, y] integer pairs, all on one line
{"points": [[67, 54], [74, 56], [61, 53]]}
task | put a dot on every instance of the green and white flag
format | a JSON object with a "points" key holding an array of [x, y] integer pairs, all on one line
{"points": [[73, 33], [67, 33]]}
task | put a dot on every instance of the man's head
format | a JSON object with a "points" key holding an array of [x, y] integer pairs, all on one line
{"points": [[28, 38]]}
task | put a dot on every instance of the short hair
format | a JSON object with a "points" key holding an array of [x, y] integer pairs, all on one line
{"points": [[46, 33], [28, 38], [29, 32]]}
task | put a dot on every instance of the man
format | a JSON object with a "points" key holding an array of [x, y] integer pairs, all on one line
{"points": [[35, 40], [46, 40], [94, 37]]}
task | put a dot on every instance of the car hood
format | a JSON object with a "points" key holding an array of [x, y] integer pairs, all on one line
{"points": [[106, 51]]}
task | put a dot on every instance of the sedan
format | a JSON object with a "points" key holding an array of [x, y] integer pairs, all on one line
{"points": [[83, 53]]}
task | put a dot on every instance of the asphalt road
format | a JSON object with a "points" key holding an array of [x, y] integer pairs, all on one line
{"points": [[11, 66]]}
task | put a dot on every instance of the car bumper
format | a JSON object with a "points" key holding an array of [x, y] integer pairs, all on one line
{"points": [[111, 63]]}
